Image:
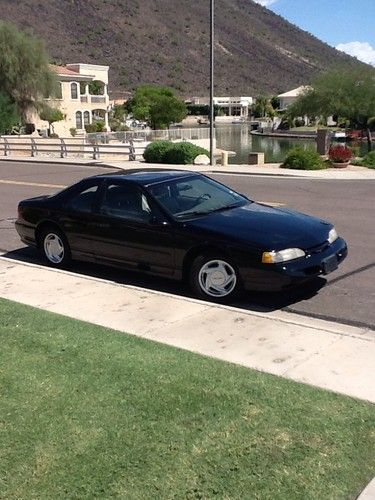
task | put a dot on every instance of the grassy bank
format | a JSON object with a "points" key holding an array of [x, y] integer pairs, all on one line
{"points": [[87, 412]]}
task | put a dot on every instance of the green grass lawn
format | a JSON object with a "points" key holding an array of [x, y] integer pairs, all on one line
{"points": [[87, 412]]}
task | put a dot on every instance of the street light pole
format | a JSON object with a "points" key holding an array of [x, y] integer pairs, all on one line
{"points": [[212, 116]]}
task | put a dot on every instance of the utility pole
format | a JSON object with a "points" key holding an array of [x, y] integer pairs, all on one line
{"points": [[212, 115]]}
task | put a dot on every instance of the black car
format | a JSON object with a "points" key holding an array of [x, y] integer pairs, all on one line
{"points": [[180, 224]]}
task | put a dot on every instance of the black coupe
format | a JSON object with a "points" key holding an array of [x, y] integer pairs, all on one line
{"points": [[180, 224]]}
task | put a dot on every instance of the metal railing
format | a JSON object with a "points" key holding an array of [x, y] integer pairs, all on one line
{"points": [[148, 135], [78, 147], [130, 145]]}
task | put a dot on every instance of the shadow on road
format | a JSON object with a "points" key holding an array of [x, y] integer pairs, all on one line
{"points": [[252, 301]]}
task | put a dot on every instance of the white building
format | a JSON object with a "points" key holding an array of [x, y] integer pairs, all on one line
{"points": [[229, 107], [83, 97], [288, 98]]}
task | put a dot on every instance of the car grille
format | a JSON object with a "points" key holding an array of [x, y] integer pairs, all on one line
{"points": [[318, 248]]}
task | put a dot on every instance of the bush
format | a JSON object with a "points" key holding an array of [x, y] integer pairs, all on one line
{"points": [[183, 153], [303, 159], [90, 128], [95, 126], [178, 153], [369, 160], [73, 131], [155, 152], [339, 154]]}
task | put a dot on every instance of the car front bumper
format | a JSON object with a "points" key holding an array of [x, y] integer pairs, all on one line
{"points": [[317, 262]]}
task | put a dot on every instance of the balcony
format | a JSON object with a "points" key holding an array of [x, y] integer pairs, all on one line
{"points": [[94, 99]]}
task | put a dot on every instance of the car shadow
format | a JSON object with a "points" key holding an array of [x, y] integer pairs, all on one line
{"points": [[251, 301]]}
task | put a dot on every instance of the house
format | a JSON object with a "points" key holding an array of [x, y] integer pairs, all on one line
{"points": [[288, 98], [82, 98], [228, 107]]}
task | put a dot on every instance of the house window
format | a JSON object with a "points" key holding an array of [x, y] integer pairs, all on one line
{"points": [[78, 119], [74, 91], [86, 117]]}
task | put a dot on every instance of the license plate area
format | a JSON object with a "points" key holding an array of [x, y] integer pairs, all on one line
{"points": [[330, 264]]}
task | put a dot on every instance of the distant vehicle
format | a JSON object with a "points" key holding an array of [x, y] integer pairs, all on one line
{"points": [[180, 224]]}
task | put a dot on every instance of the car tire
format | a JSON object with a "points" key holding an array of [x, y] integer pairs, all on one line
{"points": [[215, 278], [54, 247]]}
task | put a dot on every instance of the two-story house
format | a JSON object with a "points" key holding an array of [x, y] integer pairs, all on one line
{"points": [[82, 97]]}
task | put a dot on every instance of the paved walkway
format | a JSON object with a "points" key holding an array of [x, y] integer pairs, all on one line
{"points": [[269, 169], [328, 355]]}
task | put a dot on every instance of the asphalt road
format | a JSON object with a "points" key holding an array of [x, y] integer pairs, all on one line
{"points": [[347, 295]]}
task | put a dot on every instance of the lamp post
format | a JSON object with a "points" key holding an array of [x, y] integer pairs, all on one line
{"points": [[212, 116]]}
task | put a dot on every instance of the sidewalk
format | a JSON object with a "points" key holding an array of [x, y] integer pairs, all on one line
{"points": [[269, 169], [332, 356]]}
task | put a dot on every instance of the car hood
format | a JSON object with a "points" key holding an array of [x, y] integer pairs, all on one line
{"points": [[265, 227]]}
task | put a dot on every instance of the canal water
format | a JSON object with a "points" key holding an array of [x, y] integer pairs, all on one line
{"points": [[237, 138]]}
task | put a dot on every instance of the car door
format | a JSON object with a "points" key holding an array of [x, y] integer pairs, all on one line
{"points": [[132, 231], [77, 218]]}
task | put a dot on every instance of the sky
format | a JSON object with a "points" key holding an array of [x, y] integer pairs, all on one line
{"points": [[348, 25]]}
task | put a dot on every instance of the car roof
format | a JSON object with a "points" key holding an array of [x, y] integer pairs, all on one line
{"points": [[148, 177]]}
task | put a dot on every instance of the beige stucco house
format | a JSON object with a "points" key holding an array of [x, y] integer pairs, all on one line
{"points": [[74, 99], [288, 98]]}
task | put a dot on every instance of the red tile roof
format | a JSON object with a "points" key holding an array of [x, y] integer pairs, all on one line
{"points": [[63, 71]]}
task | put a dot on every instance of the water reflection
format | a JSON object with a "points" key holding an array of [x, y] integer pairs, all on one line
{"points": [[237, 138]]}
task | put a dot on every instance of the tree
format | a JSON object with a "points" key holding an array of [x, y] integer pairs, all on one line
{"points": [[8, 114], [156, 105], [51, 115], [25, 76], [263, 107], [348, 94], [117, 118]]}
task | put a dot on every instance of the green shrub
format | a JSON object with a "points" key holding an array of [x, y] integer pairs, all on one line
{"points": [[183, 153], [369, 160], [178, 153], [99, 125], [73, 131], [303, 159], [90, 128], [95, 126], [155, 152]]}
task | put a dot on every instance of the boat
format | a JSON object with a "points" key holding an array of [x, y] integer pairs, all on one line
{"points": [[238, 121]]}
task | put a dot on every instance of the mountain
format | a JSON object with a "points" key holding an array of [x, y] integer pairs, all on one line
{"points": [[167, 42]]}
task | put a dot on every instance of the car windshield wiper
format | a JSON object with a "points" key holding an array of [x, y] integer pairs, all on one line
{"points": [[207, 212], [226, 207]]}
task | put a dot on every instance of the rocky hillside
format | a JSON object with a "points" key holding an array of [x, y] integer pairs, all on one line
{"points": [[167, 42]]}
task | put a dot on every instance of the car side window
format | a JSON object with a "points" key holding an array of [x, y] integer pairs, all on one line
{"points": [[83, 200], [125, 201]]}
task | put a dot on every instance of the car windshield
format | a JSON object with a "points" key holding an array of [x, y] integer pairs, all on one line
{"points": [[195, 196]]}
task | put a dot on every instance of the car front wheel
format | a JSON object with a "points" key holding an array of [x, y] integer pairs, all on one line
{"points": [[54, 247], [215, 278]]}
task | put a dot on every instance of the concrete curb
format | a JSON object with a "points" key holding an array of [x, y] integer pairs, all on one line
{"points": [[278, 316], [332, 356], [57, 161], [270, 170], [369, 492]]}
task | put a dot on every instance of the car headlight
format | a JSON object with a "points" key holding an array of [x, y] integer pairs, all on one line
{"points": [[332, 235], [282, 255]]}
